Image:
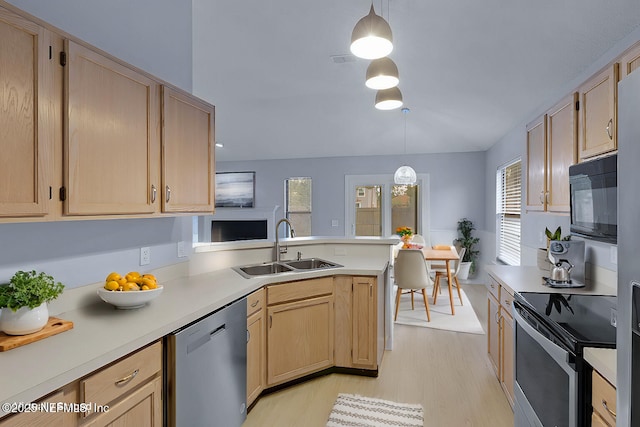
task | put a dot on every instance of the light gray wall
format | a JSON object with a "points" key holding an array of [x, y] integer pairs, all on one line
{"points": [[513, 145], [155, 36], [457, 187]]}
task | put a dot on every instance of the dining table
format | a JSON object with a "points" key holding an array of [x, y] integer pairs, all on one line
{"points": [[445, 255]]}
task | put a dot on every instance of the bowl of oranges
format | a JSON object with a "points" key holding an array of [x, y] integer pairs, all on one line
{"points": [[133, 290]]}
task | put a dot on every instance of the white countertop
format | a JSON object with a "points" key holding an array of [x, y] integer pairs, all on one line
{"points": [[102, 334], [529, 279], [602, 360]]}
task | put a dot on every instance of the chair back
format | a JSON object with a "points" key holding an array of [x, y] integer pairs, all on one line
{"points": [[456, 267], [410, 270]]}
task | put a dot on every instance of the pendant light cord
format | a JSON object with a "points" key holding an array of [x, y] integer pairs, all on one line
{"points": [[405, 111]]}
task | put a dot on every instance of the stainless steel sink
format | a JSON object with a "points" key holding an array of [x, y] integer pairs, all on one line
{"points": [[269, 268], [262, 269], [311, 264]]}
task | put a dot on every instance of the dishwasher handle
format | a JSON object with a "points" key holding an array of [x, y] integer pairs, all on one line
{"points": [[199, 342]]}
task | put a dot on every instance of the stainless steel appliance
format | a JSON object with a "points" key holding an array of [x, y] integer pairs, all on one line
{"points": [[594, 191], [568, 257], [628, 243], [206, 370], [552, 380]]}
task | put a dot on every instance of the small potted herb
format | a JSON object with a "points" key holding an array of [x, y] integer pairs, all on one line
{"points": [[24, 302]]}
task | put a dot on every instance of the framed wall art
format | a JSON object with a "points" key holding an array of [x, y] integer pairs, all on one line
{"points": [[235, 189]]}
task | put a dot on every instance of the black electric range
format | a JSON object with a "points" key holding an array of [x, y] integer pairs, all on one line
{"points": [[579, 320], [552, 379]]}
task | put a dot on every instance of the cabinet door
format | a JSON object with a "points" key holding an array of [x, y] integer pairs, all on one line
{"points": [[188, 167], [256, 356], [507, 378], [41, 418], [299, 338], [142, 407], [493, 334], [630, 61], [597, 114], [536, 167], [562, 135], [26, 138], [111, 136], [364, 322]]}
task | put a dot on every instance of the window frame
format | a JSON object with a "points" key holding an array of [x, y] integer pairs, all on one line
{"points": [[508, 197], [287, 211]]}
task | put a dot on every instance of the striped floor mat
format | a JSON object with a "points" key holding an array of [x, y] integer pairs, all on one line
{"points": [[358, 411]]}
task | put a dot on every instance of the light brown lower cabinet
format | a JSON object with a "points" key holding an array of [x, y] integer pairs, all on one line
{"points": [[256, 345], [603, 401], [500, 344], [127, 393]]}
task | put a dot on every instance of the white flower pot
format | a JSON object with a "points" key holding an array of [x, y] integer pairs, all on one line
{"points": [[25, 320], [463, 273]]}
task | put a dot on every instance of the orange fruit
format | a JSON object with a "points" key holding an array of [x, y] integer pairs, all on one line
{"points": [[130, 286], [132, 275], [112, 276], [112, 285], [150, 276]]}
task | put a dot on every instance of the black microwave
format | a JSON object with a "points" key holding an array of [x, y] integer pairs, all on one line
{"points": [[594, 199]]}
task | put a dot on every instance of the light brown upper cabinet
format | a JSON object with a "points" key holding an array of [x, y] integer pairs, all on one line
{"points": [[630, 61], [188, 166], [536, 164], [26, 133], [597, 114], [562, 134], [111, 143], [551, 149]]}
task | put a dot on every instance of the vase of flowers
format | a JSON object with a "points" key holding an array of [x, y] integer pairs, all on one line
{"points": [[405, 233]]}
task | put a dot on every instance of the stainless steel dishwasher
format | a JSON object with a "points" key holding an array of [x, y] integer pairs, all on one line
{"points": [[206, 370]]}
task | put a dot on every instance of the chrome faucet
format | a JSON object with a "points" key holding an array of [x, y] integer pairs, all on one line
{"points": [[278, 250]]}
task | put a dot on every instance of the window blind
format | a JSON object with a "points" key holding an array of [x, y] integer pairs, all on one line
{"points": [[509, 197]]}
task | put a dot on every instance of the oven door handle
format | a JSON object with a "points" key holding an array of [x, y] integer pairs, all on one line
{"points": [[559, 354]]}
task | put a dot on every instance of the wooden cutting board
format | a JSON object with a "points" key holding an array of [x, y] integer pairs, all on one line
{"points": [[53, 326]]}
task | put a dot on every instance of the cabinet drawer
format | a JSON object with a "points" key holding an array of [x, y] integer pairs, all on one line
{"points": [[255, 302], [603, 399], [110, 383], [302, 289], [506, 300], [494, 287]]}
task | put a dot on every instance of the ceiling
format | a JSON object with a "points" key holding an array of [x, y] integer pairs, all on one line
{"points": [[470, 71]]}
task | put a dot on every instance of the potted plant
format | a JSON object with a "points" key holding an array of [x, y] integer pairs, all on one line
{"points": [[466, 240], [24, 302]]}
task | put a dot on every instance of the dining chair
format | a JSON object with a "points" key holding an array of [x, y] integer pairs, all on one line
{"points": [[441, 273], [411, 273]]}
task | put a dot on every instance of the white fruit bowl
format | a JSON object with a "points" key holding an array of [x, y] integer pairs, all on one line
{"points": [[130, 299]]}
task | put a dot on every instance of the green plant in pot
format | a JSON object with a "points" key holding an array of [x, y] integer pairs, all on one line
{"points": [[467, 241], [24, 302]]}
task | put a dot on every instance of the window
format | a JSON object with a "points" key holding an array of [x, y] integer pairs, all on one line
{"points": [[509, 201], [298, 204]]}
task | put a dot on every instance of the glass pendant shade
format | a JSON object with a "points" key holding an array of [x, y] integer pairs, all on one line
{"points": [[382, 73], [371, 37], [389, 99], [405, 175]]}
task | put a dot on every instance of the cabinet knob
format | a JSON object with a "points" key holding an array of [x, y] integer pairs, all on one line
{"points": [[604, 405], [131, 376], [608, 128], [168, 193], [541, 196], [154, 191]]}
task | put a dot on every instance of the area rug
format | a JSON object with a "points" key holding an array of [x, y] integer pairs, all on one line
{"points": [[358, 411], [465, 319]]}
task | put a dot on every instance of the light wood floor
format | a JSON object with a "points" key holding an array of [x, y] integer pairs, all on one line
{"points": [[447, 372]]}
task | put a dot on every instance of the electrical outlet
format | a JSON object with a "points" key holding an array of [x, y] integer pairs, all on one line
{"points": [[334, 222], [145, 256], [613, 254], [181, 250], [614, 317]]}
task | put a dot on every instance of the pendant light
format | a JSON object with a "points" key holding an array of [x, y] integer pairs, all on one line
{"points": [[405, 175], [389, 99], [382, 73], [371, 37]]}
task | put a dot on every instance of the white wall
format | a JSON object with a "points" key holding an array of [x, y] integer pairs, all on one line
{"points": [[154, 35]]}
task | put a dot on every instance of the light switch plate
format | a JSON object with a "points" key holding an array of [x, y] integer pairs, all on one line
{"points": [[334, 223], [181, 250], [145, 256], [613, 254]]}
